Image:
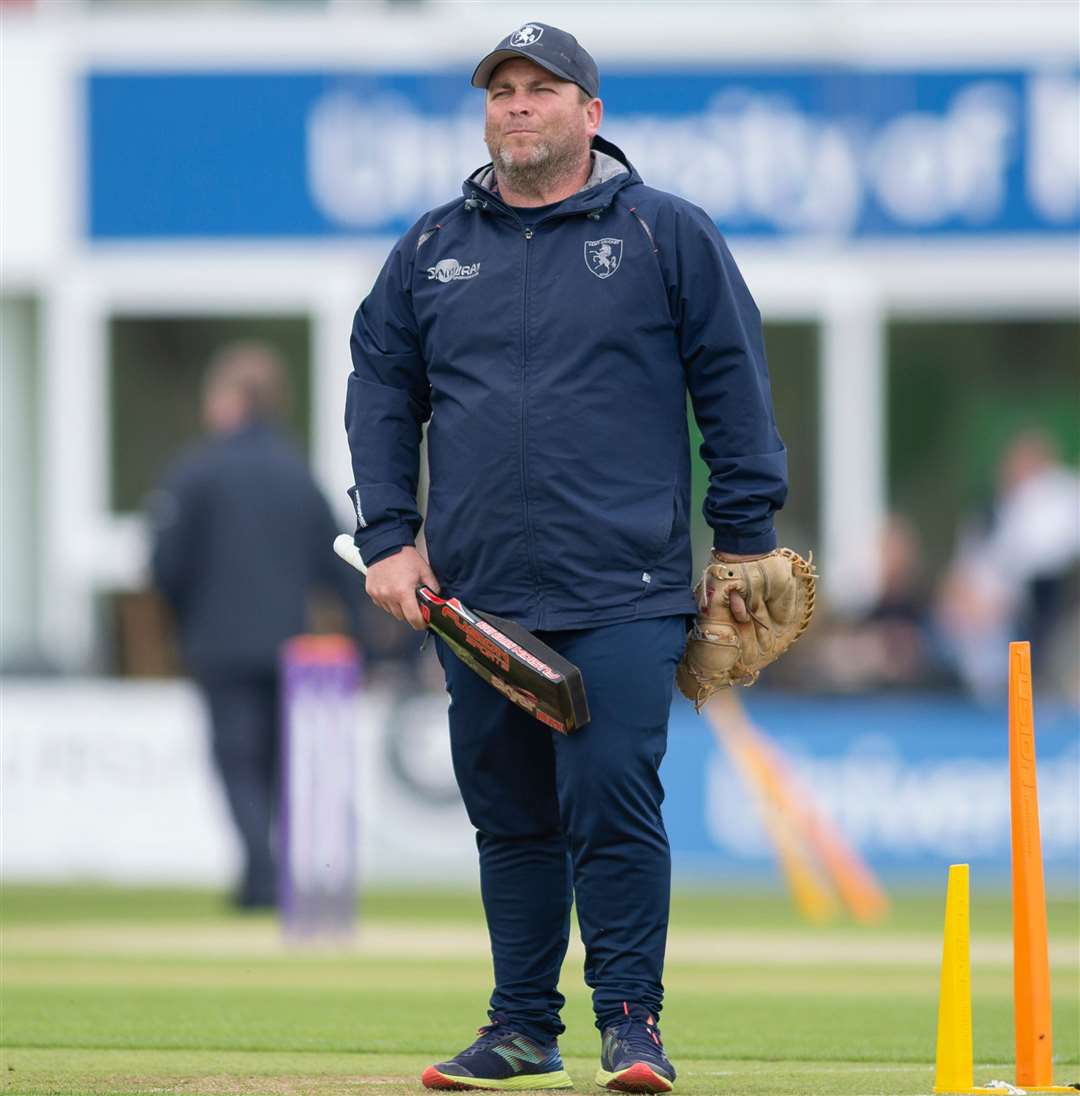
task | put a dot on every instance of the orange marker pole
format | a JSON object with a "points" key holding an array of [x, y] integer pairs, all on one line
{"points": [[1031, 965]]}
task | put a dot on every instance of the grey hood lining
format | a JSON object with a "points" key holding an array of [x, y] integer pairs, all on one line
{"points": [[604, 168]]}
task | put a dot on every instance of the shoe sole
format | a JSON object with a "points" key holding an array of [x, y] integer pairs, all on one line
{"points": [[526, 1082], [636, 1078]]}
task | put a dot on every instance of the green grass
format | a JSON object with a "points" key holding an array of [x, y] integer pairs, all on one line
{"points": [[116, 992]]}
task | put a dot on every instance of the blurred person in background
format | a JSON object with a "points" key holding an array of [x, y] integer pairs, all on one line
{"points": [[549, 324], [1013, 576], [242, 541], [891, 644]]}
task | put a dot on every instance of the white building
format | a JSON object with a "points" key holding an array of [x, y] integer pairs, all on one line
{"points": [[867, 162]]}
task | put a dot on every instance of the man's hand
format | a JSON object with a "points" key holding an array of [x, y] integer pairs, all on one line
{"points": [[738, 605], [392, 583], [776, 593]]}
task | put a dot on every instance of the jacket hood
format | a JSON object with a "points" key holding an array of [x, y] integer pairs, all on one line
{"points": [[611, 171]]}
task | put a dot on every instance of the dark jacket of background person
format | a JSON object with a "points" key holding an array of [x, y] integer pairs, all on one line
{"points": [[243, 539]]}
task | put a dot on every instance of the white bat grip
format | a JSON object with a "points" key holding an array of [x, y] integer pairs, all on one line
{"points": [[344, 547]]}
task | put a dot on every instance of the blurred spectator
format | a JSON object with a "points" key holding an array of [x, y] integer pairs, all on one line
{"points": [[1014, 577], [890, 644], [241, 544]]}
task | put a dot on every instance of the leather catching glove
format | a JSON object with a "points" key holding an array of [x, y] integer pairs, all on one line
{"points": [[778, 591]]}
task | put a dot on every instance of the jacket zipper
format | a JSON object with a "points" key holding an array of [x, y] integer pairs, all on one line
{"points": [[527, 235]]}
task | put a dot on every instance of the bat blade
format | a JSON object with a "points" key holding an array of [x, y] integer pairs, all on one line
{"points": [[509, 657], [524, 669], [567, 693]]}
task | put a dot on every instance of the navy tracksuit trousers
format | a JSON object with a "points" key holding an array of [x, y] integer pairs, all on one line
{"points": [[564, 818]]}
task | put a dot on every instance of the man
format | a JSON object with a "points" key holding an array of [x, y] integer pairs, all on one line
{"points": [[241, 537], [549, 325]]}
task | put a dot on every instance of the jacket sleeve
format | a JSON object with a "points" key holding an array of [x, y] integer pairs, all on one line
{"points": [[723, 353], [387, 404]]}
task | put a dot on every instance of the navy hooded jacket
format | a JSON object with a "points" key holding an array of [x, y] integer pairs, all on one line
{"points": [[552, 365]]}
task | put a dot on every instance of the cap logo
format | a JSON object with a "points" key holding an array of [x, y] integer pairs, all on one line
{"points": [[528, 35]]}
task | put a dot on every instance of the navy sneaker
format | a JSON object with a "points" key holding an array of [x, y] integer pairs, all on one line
{"points": [[501, 1059], [632, 1057]]}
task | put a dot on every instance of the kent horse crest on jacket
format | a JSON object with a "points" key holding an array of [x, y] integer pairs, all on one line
{"points": [[603, 257]]}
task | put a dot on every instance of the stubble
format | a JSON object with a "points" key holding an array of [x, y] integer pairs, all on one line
{"points": [[548, 163]]}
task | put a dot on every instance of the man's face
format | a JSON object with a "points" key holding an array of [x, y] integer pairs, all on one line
{"points": [[533, 118]]}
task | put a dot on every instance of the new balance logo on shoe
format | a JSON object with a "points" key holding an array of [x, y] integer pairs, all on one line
{"points": [[503, 1060], [518, 1052]]}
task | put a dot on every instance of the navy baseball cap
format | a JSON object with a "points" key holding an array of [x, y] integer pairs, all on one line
{"points": [[547, 47]]}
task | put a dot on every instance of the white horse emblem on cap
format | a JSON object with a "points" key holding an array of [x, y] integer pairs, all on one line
{"points": [[527, 36], [603, 257]]}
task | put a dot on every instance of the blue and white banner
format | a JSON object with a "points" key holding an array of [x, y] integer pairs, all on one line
{"points": [[829, 152], [914, 783]]}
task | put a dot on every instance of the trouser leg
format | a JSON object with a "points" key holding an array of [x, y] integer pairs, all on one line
{"points": [[244, 734], [609, 790], [505, 768]]}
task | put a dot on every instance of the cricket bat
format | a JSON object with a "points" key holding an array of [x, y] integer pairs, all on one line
{"points": [[508, 657]]}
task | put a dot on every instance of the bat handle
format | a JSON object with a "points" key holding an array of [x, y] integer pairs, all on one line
{"points": [[344, 547], [347, 550]]}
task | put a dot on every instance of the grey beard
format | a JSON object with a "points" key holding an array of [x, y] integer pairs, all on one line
{"points": [[538, 175]]}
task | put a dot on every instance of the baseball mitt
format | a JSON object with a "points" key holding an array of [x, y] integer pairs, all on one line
{"points": [[778, 591]]}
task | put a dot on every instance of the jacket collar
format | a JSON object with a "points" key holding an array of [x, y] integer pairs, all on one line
{"points": [[611, 171]]}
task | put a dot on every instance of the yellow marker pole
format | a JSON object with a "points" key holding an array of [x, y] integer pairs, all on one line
{"points": [[859, 889], [813, 853], [1031, 962], [809, 890], [955, 1071], [812, 896], [811, 893]]}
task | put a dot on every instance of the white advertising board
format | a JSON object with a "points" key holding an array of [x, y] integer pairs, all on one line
{"points": [[113, 781]]}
